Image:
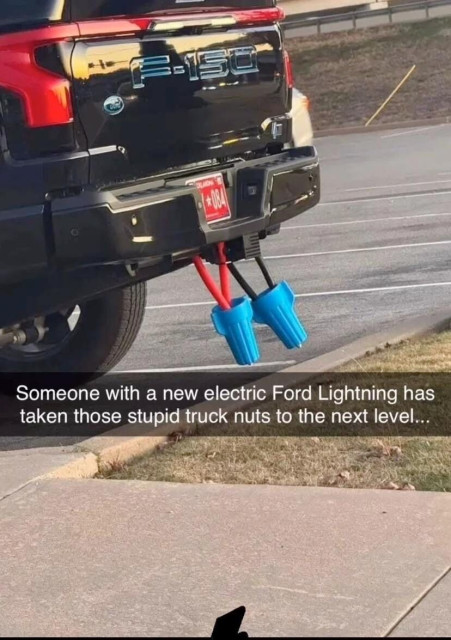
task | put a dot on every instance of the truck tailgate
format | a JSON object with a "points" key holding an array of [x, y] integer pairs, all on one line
{"points": [[180, 91]]}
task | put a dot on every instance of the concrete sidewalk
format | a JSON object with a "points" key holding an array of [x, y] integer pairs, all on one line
{"points": [[18, 468], [104, 557]]}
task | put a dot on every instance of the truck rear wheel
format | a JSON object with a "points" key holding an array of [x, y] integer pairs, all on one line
{"points": [[87, 339]]}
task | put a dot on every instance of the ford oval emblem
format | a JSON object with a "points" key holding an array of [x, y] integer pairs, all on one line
{"points": [[114, 105]]}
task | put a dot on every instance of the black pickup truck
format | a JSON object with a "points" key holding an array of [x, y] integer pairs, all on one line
{"points": [[135, 135]]}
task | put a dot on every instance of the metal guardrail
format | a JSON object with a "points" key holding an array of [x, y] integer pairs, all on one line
{"points": [[296, 21]]}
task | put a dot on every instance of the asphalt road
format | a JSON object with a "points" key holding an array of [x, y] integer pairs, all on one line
{"points": [[375, 251]]}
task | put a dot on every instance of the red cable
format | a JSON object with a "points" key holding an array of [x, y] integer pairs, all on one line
{"points": [[224, 273], [211, 284]]}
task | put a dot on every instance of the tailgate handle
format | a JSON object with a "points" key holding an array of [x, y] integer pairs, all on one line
{"points": [[175, 25]]}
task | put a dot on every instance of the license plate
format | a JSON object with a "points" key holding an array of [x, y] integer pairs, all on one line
{"points": [[214, 197]]}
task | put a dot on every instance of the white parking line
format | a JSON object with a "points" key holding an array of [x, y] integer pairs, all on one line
{"points": [[363, 221], [175, 305], [400, 184], [410, 131], [314, 294], [385, 247], [210, 367], [361, 250], [423, 194], [400, 287]]}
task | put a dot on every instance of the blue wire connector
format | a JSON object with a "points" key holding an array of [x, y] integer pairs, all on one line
{"points": [[236, 325], [276, 308]]}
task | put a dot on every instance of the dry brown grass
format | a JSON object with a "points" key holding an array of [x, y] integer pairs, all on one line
{"points": [[343, 462], [431, 354], [370, 462], [347, 75]]}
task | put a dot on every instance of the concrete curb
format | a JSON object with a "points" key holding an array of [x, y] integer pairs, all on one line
{"points": [[121, 445], [343, 131], [86, 466]]}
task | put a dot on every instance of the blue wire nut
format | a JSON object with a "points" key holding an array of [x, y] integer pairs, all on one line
{"points": [[276, 308], [236, 325]]}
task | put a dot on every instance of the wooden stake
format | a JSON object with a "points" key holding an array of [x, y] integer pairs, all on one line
{"points": [[393, 93]]}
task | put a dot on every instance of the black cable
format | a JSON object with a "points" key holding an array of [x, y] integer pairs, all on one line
{"points": [[265, 272], [241, 281]]}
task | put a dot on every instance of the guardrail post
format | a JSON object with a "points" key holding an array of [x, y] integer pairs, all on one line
{"points": [[427, 9], [390, 14], [354, 20], [318, 26]]}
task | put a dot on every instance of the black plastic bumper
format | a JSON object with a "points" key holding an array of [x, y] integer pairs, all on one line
{"points": [[155, 219]]}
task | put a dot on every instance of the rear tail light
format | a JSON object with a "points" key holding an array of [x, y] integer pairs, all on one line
{"points": [[288, 70], [254, 16], [45, 95]]}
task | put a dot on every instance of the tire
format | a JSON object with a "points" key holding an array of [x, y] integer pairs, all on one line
{"points": [[106, 329]]}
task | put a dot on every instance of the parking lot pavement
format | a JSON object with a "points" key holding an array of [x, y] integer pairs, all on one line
{"points": [[155, 559], [375, 251]]}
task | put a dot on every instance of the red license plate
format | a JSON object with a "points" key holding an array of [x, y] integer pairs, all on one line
{"points": [[214, 197]]}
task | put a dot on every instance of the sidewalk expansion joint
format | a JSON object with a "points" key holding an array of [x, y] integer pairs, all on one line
{"points": [[420, 598]]}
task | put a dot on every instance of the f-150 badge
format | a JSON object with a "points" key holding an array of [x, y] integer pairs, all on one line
{"points": [[198, 65]]}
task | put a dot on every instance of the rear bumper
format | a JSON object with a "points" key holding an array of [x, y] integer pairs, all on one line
{"points": [[152, 220]]}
